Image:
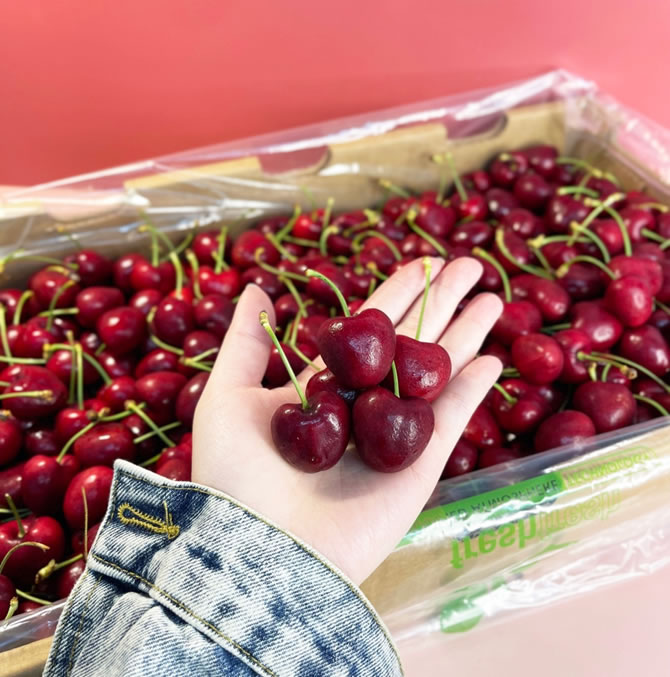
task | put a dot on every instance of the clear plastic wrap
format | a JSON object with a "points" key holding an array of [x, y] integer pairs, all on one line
{"points": [[419, 590]]}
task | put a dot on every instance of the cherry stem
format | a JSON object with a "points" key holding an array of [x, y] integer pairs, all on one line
{"points": [[21, 254], [159, 234], [563, 269], [304, 357], [132, 406], [581, 190], [15, 514], [343, 302], [662, 306], [653, 403], [78, 359], [265, 323], [427, 267], [281, 234], [393, 188], [502, 246], [293, 291], [184, 244], [411, 216], [46, 571], [80, 433], [85, 500], [179, 272], [510, 399], [117, 417], [3, 332], [372, 286], [100, 349], [272, 239], [54, 301], [592, 370], [651, 235], [24, 298], [327, 212], [164, 428], [14, 548], [221, 251], [396, 384], [510, 372], [195, 270], [166, 346], [275, 271], [32, 598], [323, 238], [58, 312], [203, 355], [627, 247], [605, 372], [356, 242], [580, 230], [27, 393], [551, 328], [621, 363], [376, 273], [13, 606], [580, 164], [372, 219], [478, 251], [653, 205], [303, 242], [460, 189], [188, 362], [97, 366]]}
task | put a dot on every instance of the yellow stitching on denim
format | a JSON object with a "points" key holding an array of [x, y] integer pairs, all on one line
{"points": [[188, 611], [145, 521], [300, 545], [81, 623]]}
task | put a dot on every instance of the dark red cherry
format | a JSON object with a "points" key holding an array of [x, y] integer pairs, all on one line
{"points": [[92, 302], [48, 282], [122, 329], [538, 358], [610, 406], [225, 283], [188, 397], [92, 267], [42, 441], [69, 422], [472, 234], [646, 346], [67, 577], [522, 222], [45, 481], [482, 430], [500, 202], [10, 438], [532, 190], [321, 292], [103, 444], [214, 314], [550, 298], [518, 318], [542, 159], [145, 275], [26, 378], [160, 389], [506, 168], [145, 300], [119, 391], [599, 325], [122, 269], [573, 342], [96, 482], [264, 279], [629, 299], [524, 413], [325, 381], [116, 366], [562, 210], [462, 460], [173, 320], [564, 427], [243, 253]]}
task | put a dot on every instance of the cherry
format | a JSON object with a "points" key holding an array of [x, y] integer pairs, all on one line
{"points": [[538, 358], [636, 220], [30, 379], [359, 279], [518, 318], [205, 246], [608, 405], [45, 480], [173, 320], [520, 409], [646, 269], [390, 432], [10, 483], [462, 460], [121, 329], [214, 314], [68, 577], [156, 360], [308, 329], [507, 167], [473, 206], [498, 350], [175, 470], [267, 281], [122, 269], [10, 438], [562, 428], [92, 302], [649, 250], [42, 441], [24, 563], [62, 362], [321, 291], [600, 326], [69, 422], [532, 190], [501, 202], [90, 342], [550, 298], [145, 300], [515, 247], [562, 210], [542, 159], [145, 275], [188, 397], [325, 381], [92, 267], [482, 429], [437, 220], [358, 349], [582, 281], [522, 222], [610, 233], [472, 234], [275, 373], [159, 390], [180, 452], [198, 342], [244, 252], [137, 426], [9, 298], [646, 346], [97, 483], [478, 180], [30, 340], [225, 283], [116, 366], [558, 253], [103, 444], [629, 299], [573, 342], [7, 593], [496, 455], [661, 320], [47, 283]]}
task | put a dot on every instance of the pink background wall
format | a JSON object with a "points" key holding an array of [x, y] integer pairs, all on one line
{"points": [[85, 85]]}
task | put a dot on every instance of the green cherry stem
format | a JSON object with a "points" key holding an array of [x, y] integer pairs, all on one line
{"points": [[132, 406], [275, 271], [605, 372], [164, 428], [202, 366], [281, 234], [3, 332], [411, 216], [303, 242], [356, 242], [21, 532], [372, 286], [507, 289], [13, 606], [622, 363], [80, 433], [184, 244], [552, 328], [581, 231], [160, 235], [510, 399], [396, 383], [343, 302], [662, 306], [510, 372], [323, 238], [221, 251], [577, 190], [504, 250], [653, 205], [372, 219], [563, 269], [265, 323], [460, 189], [14, 548], [427, 267], [23, 299], [27, 393], [32, 598], [166, 346], [274, 241], [652, 403], [54, 301], [294, 293], [78, 355], [393, 188], [97, 366], [374, 269], [195, 269], [327, 212], [627, 247], [46, 571], [179, 272]]}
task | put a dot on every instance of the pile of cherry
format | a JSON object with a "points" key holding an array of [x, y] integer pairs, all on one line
{"points": [[106, 359]]}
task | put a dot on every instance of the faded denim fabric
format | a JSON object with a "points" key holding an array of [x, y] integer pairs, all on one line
{"points": [[184, 580]]}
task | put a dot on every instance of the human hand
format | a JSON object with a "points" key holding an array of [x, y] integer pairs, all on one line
{"points": [[351, 514]]}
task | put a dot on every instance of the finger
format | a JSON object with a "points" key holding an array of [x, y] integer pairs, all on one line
{"points": [[455, 406], [244, 355], [467, 332], [446, 292], [397, 294]]}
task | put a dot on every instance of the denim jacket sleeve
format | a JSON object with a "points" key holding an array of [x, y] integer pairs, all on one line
{"points": [[184, 580]]}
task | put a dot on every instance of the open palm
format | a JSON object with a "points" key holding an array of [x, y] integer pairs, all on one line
{"points": [[352, 515]]}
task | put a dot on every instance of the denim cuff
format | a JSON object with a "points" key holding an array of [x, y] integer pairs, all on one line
{"points": [[252, 588]]}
